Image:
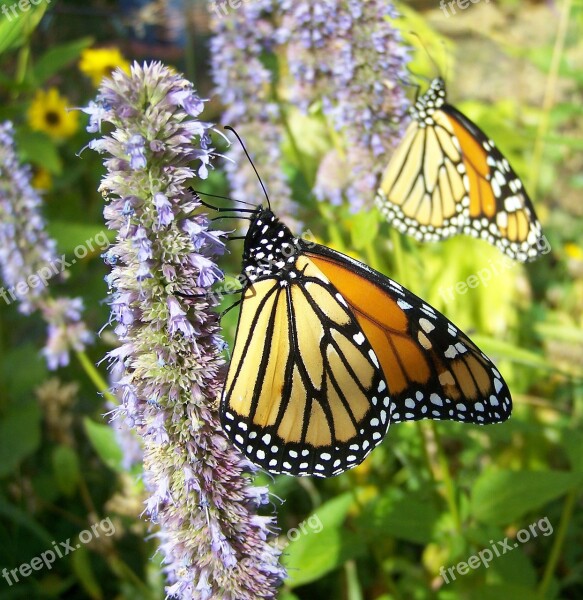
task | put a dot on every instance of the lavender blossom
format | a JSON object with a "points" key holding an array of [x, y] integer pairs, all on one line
{"points": [[125, 436], [347, 54], [244, 85], [344, 56], [28, 258], [169, 365]]}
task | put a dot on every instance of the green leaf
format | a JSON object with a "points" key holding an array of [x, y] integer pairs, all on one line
{"points": [[491, 346], [18, 517], [562, 333], [66, 468], [409, 518], [493, 592], [102, 438], [56, 58], [513, 568], [23, 368], [501, 497], [19, 436], [365, 228], [88, 240], [81, 563], [37, 148], [323, 546], [17, 25], [573, 443]]}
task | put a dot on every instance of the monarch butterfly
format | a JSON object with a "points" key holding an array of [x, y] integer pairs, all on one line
{"points": [[328, 352], [447, 177]]}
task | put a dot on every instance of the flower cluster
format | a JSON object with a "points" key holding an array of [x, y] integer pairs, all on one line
{"points": [[344, 56], [245, 85], [27, 253], [169, 364]]}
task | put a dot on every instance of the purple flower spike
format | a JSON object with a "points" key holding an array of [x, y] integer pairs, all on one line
{"points": [[169, 369], [346, 61], [29, 261]]}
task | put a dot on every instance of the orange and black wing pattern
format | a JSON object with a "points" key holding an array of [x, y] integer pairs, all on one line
{"points": [[305, 394], [447, 177], [433, 370], [328, 352]]}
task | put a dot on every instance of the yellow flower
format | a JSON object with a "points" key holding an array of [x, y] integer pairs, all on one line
{"points": [[98, 63], [572, 250], [48, 112], [42, 180]]}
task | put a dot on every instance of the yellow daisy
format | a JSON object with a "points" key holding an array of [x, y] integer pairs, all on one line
{"points": [[572, 250], [48, 112], [98, 63], [42, 180]]}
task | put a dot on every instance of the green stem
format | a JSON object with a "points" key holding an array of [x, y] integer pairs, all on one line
{"points": [[549, 97], [352, 584], [125, 572], [431, 467], [450, 491], [311, 490], [22, 66], [117, 565], [558, 542], [95, 377], [294, 144], [398, 254], [189, 50], [372, 256], [334, 233]]}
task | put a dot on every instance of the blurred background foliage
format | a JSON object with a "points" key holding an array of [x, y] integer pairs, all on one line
{"points": [[433, 494]]}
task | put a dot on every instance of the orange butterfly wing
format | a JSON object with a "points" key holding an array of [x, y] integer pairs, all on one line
{"points": [[433, 370], [446, 178], [498, 199]]}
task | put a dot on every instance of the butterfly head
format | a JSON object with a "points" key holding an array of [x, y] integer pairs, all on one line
{"points": [[429, 102], [270, 247]]}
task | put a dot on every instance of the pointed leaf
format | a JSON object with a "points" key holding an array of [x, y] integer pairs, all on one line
{"points": [[501, 497], [16, 25], [321, 544], [19, 436], [104, 442], [55, 59], [66, 468]]}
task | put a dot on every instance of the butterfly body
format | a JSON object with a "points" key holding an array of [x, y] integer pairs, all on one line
{"points": [[328, 352], [447, 177]]}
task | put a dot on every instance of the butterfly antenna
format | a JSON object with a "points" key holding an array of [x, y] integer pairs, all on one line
{"points": [[435, 65], [198, 192], [226, 208], [228, 127]]}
